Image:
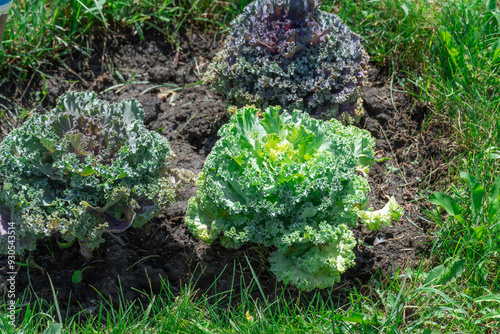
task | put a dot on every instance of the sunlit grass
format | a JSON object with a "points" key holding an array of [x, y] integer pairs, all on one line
{"points": [[447, 55], [39, 32]]}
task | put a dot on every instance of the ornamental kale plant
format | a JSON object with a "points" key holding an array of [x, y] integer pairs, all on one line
{"points": [[85, 168], [292, 54], [293, 182]]}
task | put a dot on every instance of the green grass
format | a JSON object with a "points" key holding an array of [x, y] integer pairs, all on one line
{"points": [[409, 302], [40, 32], [184, 312], [445, 53], [396, 33]]}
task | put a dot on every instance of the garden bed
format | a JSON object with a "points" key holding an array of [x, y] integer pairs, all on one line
{"points": [[164, 250]]}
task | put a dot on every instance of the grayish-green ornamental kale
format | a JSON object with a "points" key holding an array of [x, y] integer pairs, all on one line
{"points": [[293, 182], [85, 168], [292, 54]]}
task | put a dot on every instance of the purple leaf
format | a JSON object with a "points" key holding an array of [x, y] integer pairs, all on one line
{"points": [[4, 220], [116, 225]]}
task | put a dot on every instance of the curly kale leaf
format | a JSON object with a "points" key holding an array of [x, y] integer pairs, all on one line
{"points": [[316, 265], [290, 53], [85, 168], [268, 179], [289, 181], [375, 219]]}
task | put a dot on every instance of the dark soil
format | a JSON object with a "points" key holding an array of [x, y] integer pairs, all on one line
{"points": [[164, 250]]}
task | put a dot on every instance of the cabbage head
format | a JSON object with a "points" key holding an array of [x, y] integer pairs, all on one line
{"points": [[290, 181], [291, 53], [85, 168]]}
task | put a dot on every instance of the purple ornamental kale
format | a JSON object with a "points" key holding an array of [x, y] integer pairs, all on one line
{"points": [[290, 53]]}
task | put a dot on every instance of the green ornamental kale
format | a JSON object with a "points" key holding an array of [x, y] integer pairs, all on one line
{"points": [[292, 54], [289, 181], [85, 168]]}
